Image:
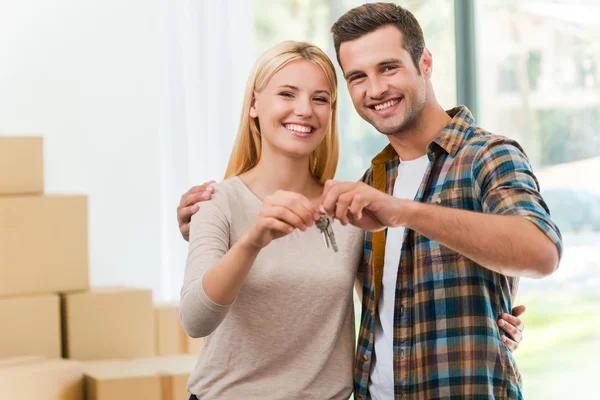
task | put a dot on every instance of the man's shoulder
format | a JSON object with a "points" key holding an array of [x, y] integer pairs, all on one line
{"points": [[477, 140]]}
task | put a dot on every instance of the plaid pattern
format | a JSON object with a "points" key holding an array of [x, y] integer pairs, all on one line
{"points": [[446, 341]]}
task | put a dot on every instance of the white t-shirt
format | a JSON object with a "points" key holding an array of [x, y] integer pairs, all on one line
{"points": [[381, 382]]}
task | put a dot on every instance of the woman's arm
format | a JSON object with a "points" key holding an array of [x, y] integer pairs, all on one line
{"points": [[214, 273]]}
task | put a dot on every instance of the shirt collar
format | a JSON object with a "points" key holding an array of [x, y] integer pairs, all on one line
{"points": [[450, 138]]}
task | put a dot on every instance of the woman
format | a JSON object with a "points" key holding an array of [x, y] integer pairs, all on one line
{"points": [[289, 331], [255, 255]]}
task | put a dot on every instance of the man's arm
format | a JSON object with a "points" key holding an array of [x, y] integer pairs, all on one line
{"points": [[513, 235], [508, 244]]}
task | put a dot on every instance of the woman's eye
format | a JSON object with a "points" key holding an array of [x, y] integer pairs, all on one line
{"points": [[286, 94], [321, 100]]}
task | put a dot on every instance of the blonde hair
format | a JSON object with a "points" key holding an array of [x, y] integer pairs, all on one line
{"points": [[247, 148]]}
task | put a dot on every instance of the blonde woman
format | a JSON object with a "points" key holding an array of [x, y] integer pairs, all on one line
{"points": [[274, 304]]}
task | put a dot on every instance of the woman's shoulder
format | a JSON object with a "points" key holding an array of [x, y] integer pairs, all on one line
{"points": [[230, 191]]}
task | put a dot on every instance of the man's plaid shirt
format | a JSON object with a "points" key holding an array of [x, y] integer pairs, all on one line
{"points": [[446, 341]]}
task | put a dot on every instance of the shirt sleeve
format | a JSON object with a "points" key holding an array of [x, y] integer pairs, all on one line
{"points": [[507, 186], [208, 243]]}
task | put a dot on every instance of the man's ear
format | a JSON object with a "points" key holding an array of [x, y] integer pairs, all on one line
{"points": [[253, 112], [426, 63]]}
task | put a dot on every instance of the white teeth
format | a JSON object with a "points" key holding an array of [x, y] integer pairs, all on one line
{"points": [[299, 128], [388, 104]]}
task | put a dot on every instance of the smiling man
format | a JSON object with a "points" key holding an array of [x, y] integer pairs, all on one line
{"points": [[454, 216]]}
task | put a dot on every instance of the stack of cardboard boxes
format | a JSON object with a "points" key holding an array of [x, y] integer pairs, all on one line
{"points": [[59, 339]]}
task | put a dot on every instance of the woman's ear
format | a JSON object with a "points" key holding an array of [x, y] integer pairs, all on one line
{"points": [[253, 112]]}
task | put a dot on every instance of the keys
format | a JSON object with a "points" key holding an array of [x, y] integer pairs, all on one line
{"points": [[324, 224]]}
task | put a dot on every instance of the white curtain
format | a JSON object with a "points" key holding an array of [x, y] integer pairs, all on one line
{"points": [[207, 51]]}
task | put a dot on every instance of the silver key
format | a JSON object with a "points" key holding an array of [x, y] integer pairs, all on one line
{"points": [[324, 224]]}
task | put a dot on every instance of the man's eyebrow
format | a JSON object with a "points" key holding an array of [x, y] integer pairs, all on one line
{"points": [[390, 61], [379, 64]]}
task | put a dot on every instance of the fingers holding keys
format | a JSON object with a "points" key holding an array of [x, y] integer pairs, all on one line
{"points": [[337, 198], [292, 208], [280, 214], [188, 205]]}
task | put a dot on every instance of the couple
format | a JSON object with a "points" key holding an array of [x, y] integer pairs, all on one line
{"points": [[435, 235]]}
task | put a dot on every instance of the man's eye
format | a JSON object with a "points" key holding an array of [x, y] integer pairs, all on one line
{"points": [[355, 77]]}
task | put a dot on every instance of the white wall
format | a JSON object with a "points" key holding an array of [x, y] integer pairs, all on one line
{"points": [[84, 74]]}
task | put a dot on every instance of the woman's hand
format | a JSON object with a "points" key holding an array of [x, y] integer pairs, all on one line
{"points": [[513, 326], [280, 214]]}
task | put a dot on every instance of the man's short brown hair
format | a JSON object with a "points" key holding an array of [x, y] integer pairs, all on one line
{"points": [[369, 17]]}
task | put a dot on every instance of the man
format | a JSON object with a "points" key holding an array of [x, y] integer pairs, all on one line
{"points": [[454, 217]]}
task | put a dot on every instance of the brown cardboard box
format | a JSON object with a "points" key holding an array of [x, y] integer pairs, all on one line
{"points": [[108, 323], [171, 339], [175, 371], [43, 244], [20, 360], [170, 336], [121, 380], [48, 380], [21, 165], [30, 325], [158, 378], [194, 345]]}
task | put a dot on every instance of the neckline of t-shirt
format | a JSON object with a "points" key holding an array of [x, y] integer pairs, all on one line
{"points": [[415, 161]]}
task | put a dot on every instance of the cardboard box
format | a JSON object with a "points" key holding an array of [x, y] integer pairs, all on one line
{"points": [[20, 360], [174, 371], [43, 244], [120, 380], [21, 165], [48, 380], [171, 339], [108, 323], [156, 378], [194, 345], [30, 325], [170, 336]]}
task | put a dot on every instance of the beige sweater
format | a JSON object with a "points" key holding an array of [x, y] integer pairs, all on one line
{"points": [[290, 333]]}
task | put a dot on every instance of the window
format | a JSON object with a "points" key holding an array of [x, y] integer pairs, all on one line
{"points": [[539, 83]]}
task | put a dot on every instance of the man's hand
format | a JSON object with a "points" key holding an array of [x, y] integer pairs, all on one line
{"points": [[361, 205], [188, 207], [513, 326]]}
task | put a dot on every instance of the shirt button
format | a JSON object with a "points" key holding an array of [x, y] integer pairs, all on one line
{"points": [[438, 201], [366, 357], [401, 309], [401, 353]]}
